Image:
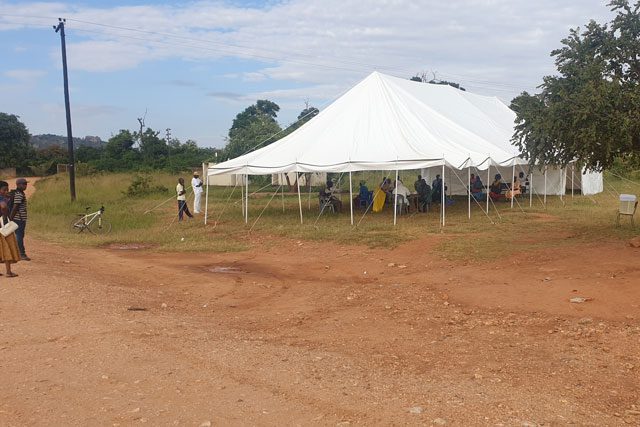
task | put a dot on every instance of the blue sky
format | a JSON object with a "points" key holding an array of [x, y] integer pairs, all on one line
{"points": [[194, 65]]}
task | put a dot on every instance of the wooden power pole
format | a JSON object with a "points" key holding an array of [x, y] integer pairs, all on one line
{"points": [[71, 167]]}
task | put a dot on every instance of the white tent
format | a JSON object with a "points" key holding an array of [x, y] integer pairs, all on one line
{"points": [[388, 123]]}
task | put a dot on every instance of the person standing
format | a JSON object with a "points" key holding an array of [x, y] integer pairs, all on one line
{"points": [[9, 253], [182, 200], [196, 184], [19, 215]]}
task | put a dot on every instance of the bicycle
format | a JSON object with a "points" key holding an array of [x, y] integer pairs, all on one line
{"points": [[94, 222]]}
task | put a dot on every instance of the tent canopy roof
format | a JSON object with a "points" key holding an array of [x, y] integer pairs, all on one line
{"points": [[386, 123]]}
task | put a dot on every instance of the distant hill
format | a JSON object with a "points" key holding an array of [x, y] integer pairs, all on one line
{"points": [[48, 140]]}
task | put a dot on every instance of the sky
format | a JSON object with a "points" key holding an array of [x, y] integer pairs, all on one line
{"points": [[192, 66]]}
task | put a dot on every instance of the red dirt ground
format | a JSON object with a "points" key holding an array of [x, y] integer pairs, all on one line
{"points": [[306, 333]]}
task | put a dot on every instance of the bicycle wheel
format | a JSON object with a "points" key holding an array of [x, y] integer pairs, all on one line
{"points": [[99, 226], [78, 225]]}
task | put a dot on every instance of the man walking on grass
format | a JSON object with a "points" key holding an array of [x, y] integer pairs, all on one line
{"points": [[19, 215], [196, 184], [182, 200]]}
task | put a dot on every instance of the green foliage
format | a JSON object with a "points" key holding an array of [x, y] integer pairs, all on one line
{"points": [[14, 142], [142, 185], [256, 125], [422, 78], [591, 110]]}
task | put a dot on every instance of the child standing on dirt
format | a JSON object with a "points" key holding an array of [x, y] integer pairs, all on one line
{"points": [[9, 252]]}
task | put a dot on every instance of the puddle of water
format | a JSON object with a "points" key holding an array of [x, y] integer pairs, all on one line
{"points": [[222, 269]]}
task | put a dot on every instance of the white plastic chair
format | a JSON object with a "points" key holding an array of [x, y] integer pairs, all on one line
{"points": [[628, 206]]}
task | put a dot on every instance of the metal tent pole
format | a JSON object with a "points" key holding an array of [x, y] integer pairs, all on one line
{"points": [[206, 199], [351, 197], [545, 187], [573, 168], [513, 181], [488, 181], [442, 201], [469, 189], [241, 193], [299, 198], [395, 201], [563, 183], [246, 204], [531, 188], [282, 181]]}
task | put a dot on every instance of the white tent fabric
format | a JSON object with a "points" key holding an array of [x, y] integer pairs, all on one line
{"points": [[390, 123]]}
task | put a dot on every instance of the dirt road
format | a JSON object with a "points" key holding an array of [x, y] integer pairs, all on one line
{"points": [[299, 333]]}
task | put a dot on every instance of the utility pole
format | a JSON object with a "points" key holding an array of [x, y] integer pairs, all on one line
{"points": [[71, 167]]}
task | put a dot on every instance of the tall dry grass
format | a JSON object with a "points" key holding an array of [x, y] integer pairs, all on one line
{"points": [[561, 222]]}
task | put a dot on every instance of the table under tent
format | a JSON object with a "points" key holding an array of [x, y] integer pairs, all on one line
{"points": [[393, 124]]}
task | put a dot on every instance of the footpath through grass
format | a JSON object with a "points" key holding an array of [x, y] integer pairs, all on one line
{"points": [[568, 221]]}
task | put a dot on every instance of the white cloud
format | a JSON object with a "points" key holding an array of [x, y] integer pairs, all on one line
{"points": [[25, 75]]}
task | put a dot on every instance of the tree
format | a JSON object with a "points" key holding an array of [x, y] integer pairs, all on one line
{"points": [[422, 78], [14, 142], [262, 108], [254, 126], [119, 144], [259, 131], [590, 111], [154, 151]]}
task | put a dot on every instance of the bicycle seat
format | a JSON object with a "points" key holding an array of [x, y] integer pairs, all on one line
{"points": [[87, 208]]}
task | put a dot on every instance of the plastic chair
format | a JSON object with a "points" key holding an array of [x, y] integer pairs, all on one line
{"points": [[365, 197], [324, 203], [403, 205], [628, 206]]}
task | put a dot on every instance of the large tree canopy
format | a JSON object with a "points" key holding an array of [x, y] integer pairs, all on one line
{"points": [[254, 126], [590, 111], [15, 150]]}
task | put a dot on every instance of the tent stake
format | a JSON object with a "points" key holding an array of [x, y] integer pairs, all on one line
{"points": [[350, 197], [395, 200], [206, 197], [299, 198]]}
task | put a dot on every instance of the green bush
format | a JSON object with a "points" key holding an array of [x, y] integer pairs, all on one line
{"points": [[141, 185]]}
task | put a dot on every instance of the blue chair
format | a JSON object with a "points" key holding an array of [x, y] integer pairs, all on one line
{"points": [[365, 197]]}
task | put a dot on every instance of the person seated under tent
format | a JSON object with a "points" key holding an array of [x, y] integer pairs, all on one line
{"points": [[436, 189], [514, 190], [495, 189], [330, 194], [477, 188], [364, 199], [424, 194], [524, 183]]}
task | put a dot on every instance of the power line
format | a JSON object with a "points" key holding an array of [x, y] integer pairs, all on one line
{"points": [[224, 48]]}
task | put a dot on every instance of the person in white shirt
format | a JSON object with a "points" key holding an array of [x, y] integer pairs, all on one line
{"points": [[182, 200], [196, 184], [403, 191]]}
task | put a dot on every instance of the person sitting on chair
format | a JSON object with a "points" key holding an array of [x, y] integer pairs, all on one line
{"points": [[330, 192], [436, 189], [424, 193], [364, 197], [402, 191], [495, 189], [515, 189], [477, 189]]}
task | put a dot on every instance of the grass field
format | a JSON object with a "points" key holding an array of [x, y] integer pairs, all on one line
{"points": [[565, 221]]}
